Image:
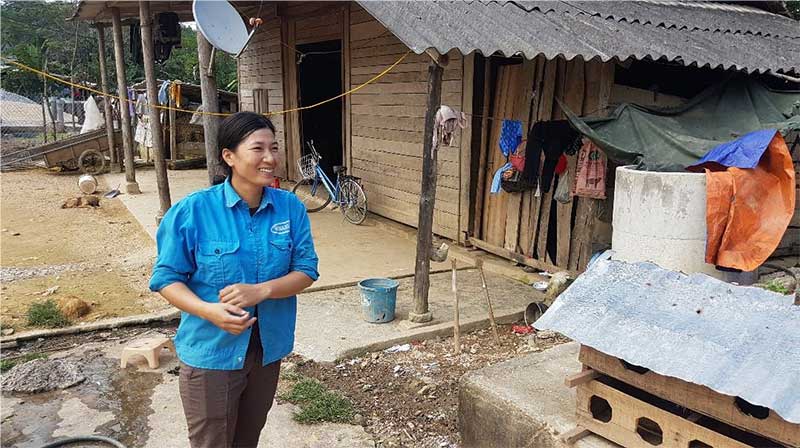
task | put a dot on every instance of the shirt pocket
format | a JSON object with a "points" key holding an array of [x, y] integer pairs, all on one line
{"points": [[280, 257], [218, 263]]}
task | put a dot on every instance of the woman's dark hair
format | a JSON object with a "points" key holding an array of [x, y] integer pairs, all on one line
{"points": [[234, 129]]}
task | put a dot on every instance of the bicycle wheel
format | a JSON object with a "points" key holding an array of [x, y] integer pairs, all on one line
{"points": [[312, 194], [353, 201]]}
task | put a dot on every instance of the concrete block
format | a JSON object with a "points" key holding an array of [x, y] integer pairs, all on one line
{"points": [[661, 217], [522, 402]]}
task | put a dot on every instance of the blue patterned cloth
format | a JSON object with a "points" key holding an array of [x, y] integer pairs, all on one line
{"points": [[510, 136]]}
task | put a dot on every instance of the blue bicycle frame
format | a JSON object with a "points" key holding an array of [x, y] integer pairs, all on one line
{"points": [[333, 189]]}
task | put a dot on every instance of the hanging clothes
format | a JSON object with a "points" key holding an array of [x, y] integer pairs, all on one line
{"points": [[551, 138], [446, 121], [510, 136], [163, 95], [590, 177], [498, 177]]}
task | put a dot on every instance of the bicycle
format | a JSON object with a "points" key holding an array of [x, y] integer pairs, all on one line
{"points": [[346, 193]]}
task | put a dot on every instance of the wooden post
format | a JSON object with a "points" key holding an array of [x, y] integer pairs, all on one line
{"points": [[173, 135], [208, 89], [132, 187], [146, 22], [456, 323], [109, 118], [427, 198]]}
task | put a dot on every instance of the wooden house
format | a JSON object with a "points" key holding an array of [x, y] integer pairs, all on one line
{"points": [[589, 56]]}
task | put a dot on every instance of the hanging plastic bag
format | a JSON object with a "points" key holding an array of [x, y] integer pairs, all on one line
{"points": [[562, 190]]}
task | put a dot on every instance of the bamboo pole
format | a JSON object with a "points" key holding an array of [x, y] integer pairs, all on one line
{"points": [[146, 21], [132, 187], [109, 118]]}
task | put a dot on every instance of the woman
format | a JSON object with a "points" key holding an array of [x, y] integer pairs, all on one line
{"points": [[231, 258]]}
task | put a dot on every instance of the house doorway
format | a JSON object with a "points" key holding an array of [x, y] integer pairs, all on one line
{"points": [[319, 77]]}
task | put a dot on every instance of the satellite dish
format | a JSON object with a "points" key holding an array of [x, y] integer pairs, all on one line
{"points": [[222, 25]]}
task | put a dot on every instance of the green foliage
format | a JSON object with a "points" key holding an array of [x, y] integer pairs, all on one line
{"points": [[46, 314], [8, 364], [318, 405], [776, 285], [33, 32]]}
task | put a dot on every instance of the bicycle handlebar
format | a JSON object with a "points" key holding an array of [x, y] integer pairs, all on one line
{"points": [[310, 144]]}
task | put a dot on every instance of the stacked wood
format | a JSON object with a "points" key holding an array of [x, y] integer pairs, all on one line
{"points": [[635, 407]]}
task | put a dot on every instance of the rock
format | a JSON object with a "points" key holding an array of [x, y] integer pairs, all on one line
{"points": [[366, 387], [16, 234], [425, 389], [7, 331], [375, 356], [359, 419], [74, 307]]}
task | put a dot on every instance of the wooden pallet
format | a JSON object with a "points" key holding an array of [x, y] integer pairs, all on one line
{"points": [[700, 399]]}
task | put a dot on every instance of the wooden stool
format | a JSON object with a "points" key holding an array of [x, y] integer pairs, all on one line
{"points": [[150, 348]]}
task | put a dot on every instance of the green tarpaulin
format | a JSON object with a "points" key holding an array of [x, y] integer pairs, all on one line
{"points": [[671, 139]]}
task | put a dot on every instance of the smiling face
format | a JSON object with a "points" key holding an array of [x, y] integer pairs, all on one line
{"points": [[254, 160]]}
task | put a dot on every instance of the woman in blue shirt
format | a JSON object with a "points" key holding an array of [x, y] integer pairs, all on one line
{"points": [[232, 258]]}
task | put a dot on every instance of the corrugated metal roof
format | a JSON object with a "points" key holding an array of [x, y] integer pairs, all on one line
{"points": [[739, 341], [702, 34]]}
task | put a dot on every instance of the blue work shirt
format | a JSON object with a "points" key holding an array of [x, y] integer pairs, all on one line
{"points": [[209, 240]]}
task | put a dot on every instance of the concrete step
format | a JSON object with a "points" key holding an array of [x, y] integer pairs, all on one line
{"points": [[522, 402]]}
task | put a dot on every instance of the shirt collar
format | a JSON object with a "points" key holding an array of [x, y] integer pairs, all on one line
{"points": [[232, 197]]}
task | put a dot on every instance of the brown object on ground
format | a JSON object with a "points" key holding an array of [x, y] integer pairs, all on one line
{"points": [[150, 348], [82, 202], [692, 396], [73, 307], [456, 326], [575, 434], [488, 302]]}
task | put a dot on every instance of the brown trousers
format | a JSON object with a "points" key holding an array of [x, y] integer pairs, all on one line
{"points": [[228, 408]]}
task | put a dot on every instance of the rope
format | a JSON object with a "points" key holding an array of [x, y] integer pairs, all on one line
{"points": [[219, 114]]}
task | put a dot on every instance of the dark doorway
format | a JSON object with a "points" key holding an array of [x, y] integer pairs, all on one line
{"points": [[319, 74]]}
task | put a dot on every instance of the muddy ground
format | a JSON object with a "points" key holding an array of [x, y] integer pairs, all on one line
{"points": [[403, 399], [99, 255], [410, 398]]}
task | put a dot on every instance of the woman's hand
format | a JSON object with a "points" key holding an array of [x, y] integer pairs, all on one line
{"points": [[228, 317], [243, 295]]}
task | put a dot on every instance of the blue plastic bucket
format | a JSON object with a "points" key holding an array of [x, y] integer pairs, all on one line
{"points": [[378, 299]]}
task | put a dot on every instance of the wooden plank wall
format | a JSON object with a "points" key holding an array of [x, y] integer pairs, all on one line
{"points": [[387, 122], [520, 222], [260, 67]]}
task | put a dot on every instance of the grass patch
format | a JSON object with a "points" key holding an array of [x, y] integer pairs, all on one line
{"points": [[8, 364], [317, 404], [46, 314], [776, 285]]}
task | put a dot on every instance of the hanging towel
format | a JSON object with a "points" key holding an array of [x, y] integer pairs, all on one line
{"points": [[510, 136], [445, 124], [498, 177]]}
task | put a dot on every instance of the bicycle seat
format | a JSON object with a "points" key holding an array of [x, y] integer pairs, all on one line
{"points": [[339, 169]]}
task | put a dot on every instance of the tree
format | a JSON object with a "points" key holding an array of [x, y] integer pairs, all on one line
{"points": [[31, 29]]}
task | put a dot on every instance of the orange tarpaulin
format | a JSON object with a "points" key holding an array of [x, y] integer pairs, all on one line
{"points": [[748, 210]]}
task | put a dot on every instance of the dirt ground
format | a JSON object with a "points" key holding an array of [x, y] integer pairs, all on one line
{"points": [[410, 398], [100, 255]]}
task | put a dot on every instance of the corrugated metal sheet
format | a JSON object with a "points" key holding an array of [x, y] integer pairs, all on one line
{"points": [[713, 35], [738, 341]]}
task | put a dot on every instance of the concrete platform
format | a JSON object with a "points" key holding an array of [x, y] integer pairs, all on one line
{"points": [[522, 402], [330, 325]]}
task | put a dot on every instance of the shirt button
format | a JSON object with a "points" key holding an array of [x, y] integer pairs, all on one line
{"points": [[240, 359], [216, 251]]}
